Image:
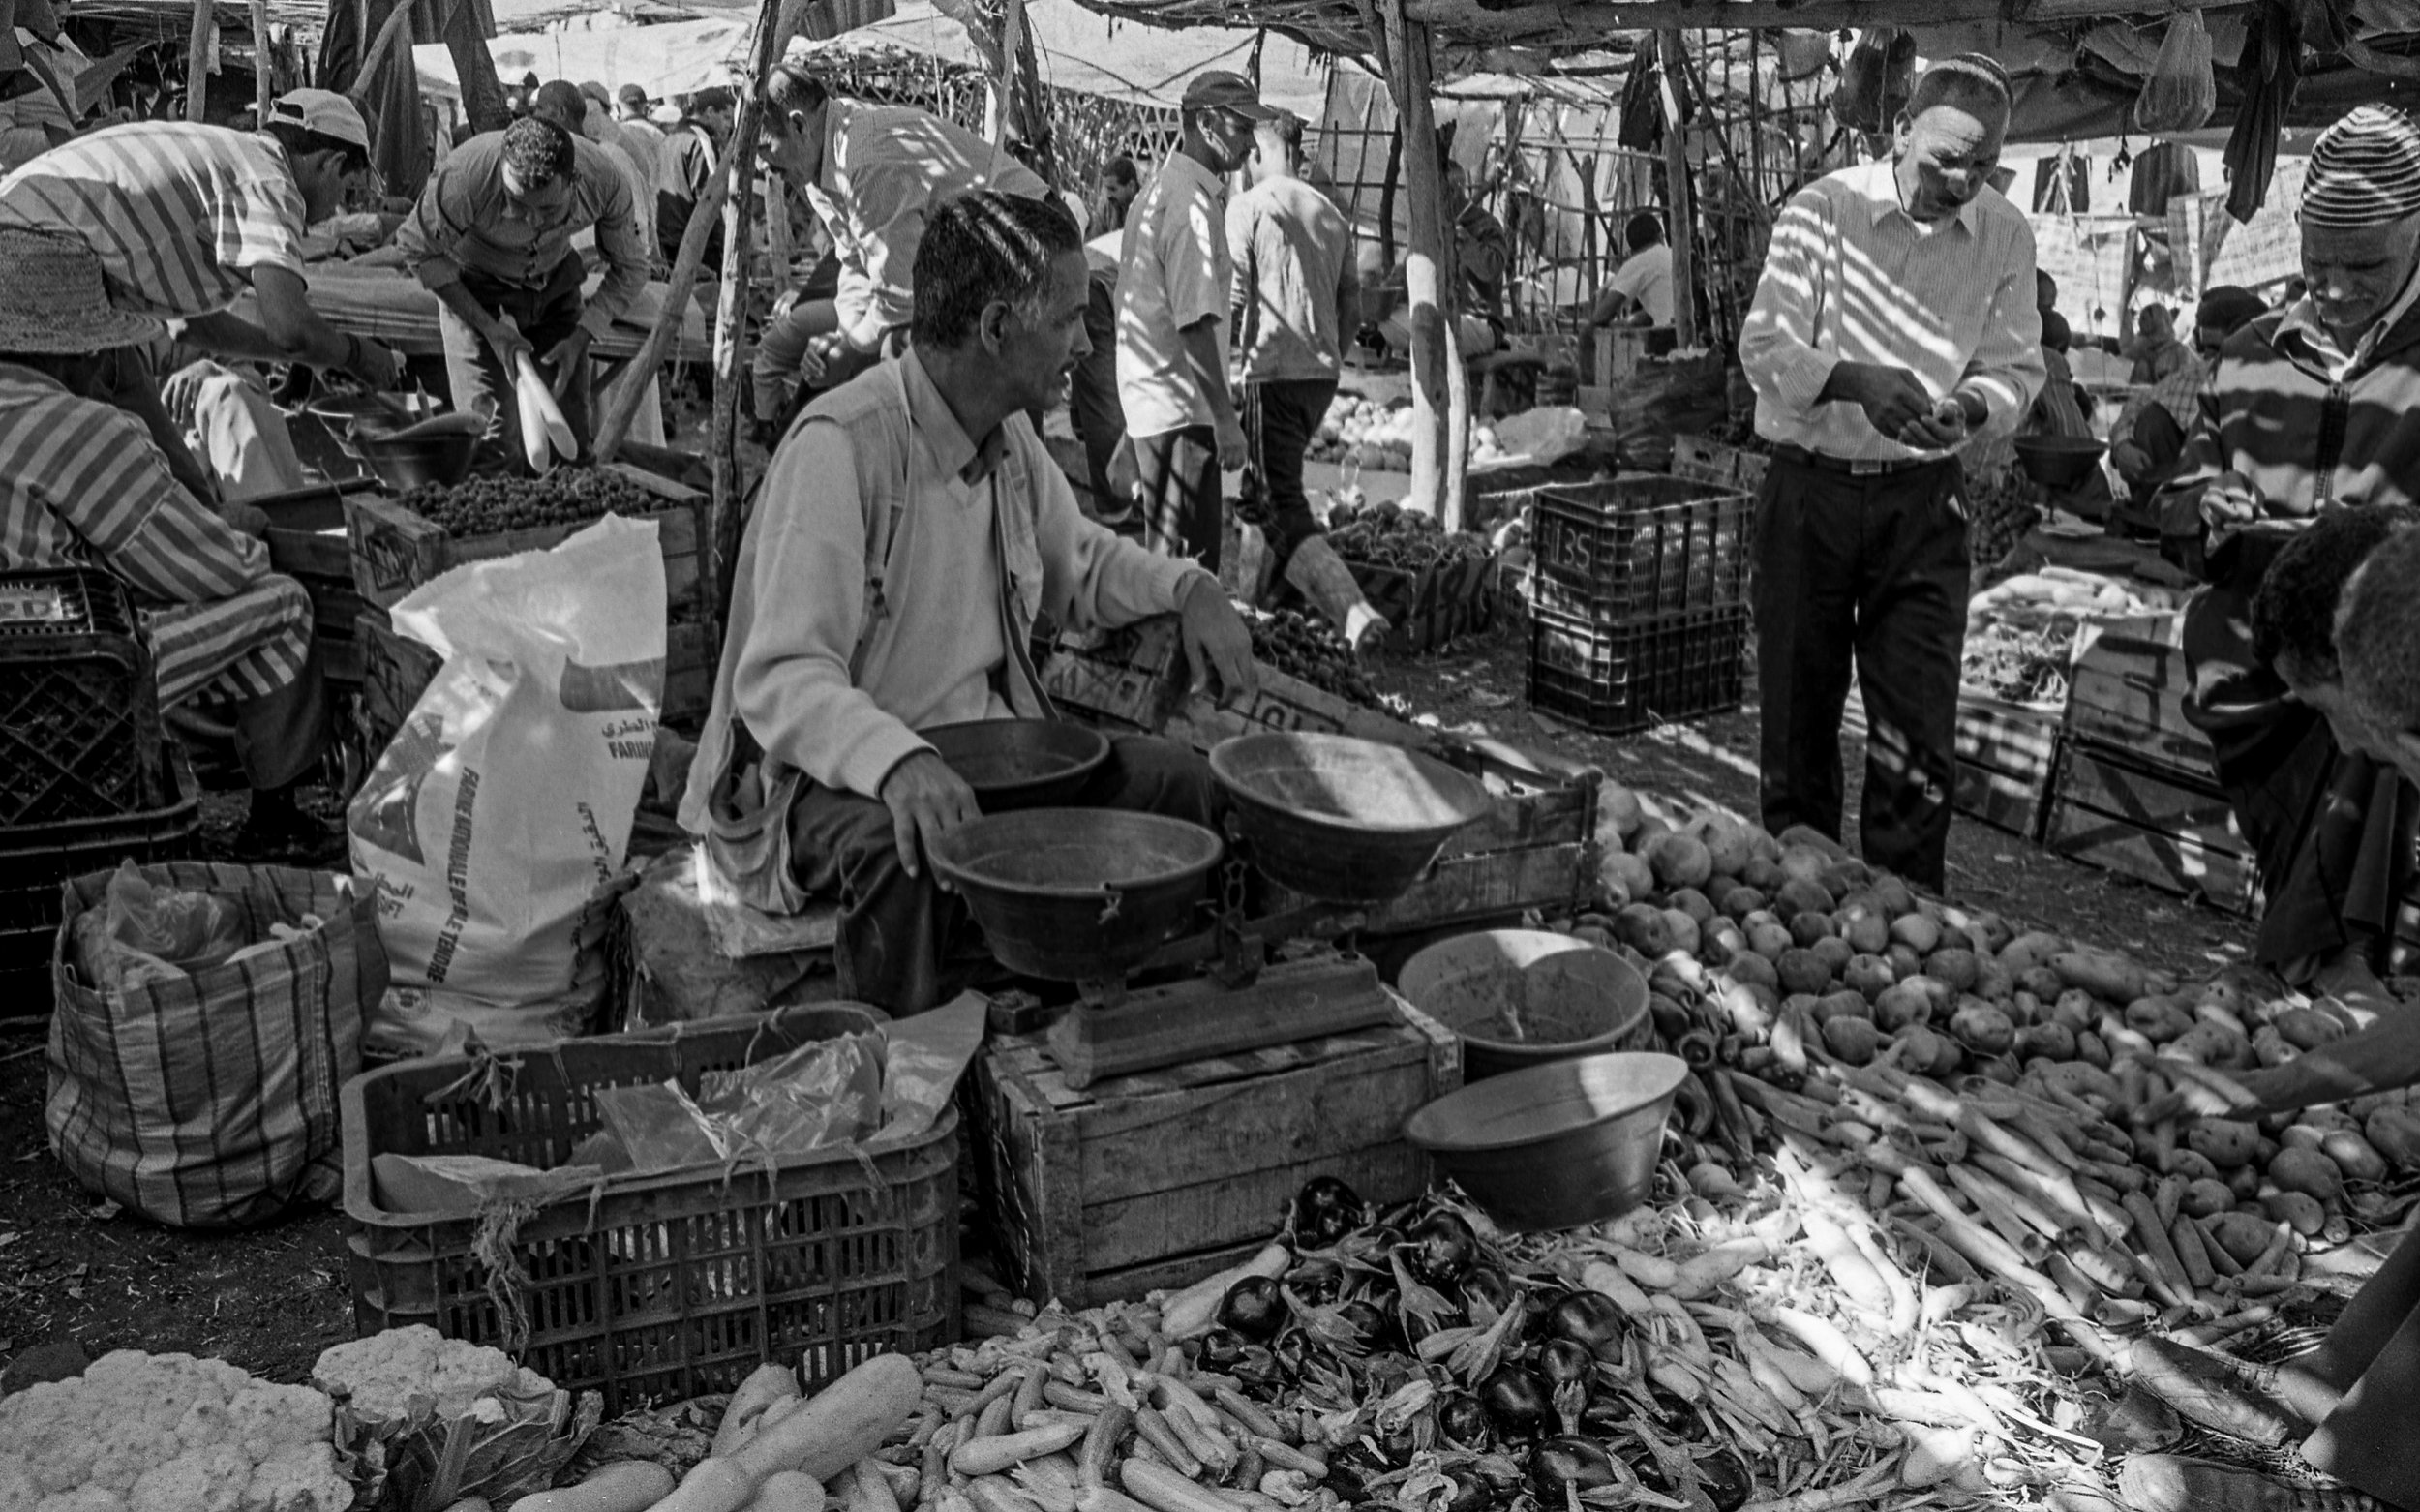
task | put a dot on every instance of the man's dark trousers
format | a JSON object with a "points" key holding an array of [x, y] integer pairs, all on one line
{"points": [[894, 928], [1280, 417], [1865, 573]]}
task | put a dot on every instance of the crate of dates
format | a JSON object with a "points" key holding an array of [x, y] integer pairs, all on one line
{"points": [[1430, 583], [399, 543]]}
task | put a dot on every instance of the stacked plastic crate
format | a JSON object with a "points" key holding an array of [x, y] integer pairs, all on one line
{"points": [[1639, 600], [84, 780]]}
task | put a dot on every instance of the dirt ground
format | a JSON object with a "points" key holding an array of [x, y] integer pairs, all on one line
{"points": [[72, 1269]]}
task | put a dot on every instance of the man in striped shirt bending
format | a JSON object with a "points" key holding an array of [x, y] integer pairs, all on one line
{"points": [[185, 218], [81, 486], [1895, 323]]}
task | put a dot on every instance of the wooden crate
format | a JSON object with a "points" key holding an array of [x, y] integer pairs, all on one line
{"points": [[2006, 754], [308, 542], [2128, 691], [394, 550], [1701, 459], [1159, 1179], [397, 669], [1534, 851], [2148, 822]]}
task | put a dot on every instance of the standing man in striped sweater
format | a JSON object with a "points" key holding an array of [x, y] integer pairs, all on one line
{"points": [[186, 219], [81, 485], [1894, 323]]}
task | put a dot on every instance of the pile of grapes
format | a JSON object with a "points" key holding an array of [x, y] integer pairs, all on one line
{"points": [[1307, 648], [567, 495]]}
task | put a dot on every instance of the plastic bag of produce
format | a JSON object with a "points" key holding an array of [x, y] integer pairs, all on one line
{"points": [[207, 1098], [2181, 93], [432, 1420], [496, 822]]}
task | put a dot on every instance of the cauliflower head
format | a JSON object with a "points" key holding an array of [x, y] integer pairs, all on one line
{"points": [[388, 1375], [167, 1434]]}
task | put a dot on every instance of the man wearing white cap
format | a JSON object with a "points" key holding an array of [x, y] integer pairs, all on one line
{"points": [[2308, 411], [185, 218], [1175, 277]]}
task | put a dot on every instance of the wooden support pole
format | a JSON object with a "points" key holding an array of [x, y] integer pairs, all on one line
{"points": [[197, 61], [1682, 192], [1004, 83], [730, 316], [1441, 396], [263, 75], [1567, 24], [394, 32], [621, 405]]}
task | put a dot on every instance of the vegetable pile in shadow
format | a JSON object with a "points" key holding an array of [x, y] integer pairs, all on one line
{"points": [[1492, 1386]]}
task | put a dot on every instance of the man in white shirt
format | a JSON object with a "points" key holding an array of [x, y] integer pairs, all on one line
{"points": [[1174, 279], [1639, 291], [1895, 323]]}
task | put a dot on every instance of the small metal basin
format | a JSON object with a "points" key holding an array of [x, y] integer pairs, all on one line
{"points": [[1556, 1146], [1077, 894], [2058, 461], [1342, 820], [1520, 997], [1015, 764]]}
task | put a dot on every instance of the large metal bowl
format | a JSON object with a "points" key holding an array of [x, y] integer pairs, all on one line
{"points": [[1559, 1145], [1524, 997], [439, 450], [2058, 461], [1015, 764], [1342, 820], [1076, 895]]}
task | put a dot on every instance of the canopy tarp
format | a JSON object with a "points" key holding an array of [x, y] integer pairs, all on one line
{"points": [[667, 60]]}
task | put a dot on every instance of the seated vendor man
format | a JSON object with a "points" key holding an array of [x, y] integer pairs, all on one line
{"points": [[2308, 412], [185, 218], [2349, 1404], [2147, 439], [910, 529], [83, 486]]}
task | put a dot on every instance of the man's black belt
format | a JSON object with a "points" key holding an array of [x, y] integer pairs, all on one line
{"points": [[1859, 467]]}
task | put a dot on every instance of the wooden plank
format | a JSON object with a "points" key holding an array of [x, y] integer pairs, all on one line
{"points": [[2129, 692], [1498, 882], [1033, 1057], [1228, 1132], [2110, 787], [1233, 1209], [2000, 800], [2171, 862], [1171, 1273]]}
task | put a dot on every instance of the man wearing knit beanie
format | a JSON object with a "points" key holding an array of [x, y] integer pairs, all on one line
{"points": [[2305, 413]]}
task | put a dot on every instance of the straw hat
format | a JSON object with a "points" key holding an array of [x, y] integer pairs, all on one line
{"points": [[53, 300]]}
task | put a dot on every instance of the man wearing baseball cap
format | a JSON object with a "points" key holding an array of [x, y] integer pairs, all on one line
{"points": [[1175, 281], [186, 219]]}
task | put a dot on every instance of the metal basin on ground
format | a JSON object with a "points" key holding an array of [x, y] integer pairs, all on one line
{"points": [[1558, 1145], [1074, 895], [1522, 997], [1343, 820], [1015, 764]]}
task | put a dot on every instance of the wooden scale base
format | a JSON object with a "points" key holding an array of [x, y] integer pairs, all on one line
{"points": [[1114, 1031]]}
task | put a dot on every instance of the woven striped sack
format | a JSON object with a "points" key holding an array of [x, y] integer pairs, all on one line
{"points": [[209, 1101]]}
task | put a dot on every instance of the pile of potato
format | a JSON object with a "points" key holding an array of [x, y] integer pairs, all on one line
{"points": [[1809, 971]]}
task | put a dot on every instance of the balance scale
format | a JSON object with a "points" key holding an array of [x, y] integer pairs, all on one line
{"points": [[1340, 824], [1254, 983]]}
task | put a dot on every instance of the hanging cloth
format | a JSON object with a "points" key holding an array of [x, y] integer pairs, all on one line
{"points": [[2266, 77]]}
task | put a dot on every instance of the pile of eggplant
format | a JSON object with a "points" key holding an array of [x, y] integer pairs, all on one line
{"points": [[1522, 1386]]}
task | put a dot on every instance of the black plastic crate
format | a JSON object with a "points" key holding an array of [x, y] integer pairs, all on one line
{"points": [[1642, 543], [80, 714], [1617, 678], [36, 862]]}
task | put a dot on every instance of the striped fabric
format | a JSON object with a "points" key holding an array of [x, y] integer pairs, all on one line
{"points": [[211, 1100], [2365, 171], [81, 485], [1849, 278], [179, 213]]}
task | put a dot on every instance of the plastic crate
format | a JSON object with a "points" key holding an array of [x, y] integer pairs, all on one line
{"points": [[38, 860], [80, 715], [665, 1285], [1617, 678], [1642, 543]]}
